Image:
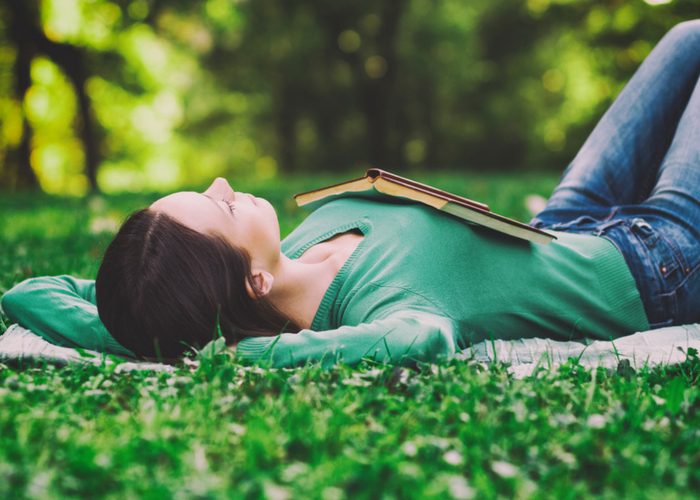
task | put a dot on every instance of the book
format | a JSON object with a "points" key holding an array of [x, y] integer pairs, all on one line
{"points": [[381, 181]]}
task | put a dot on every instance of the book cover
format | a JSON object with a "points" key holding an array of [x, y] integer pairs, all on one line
{"points": [[389, 184]]}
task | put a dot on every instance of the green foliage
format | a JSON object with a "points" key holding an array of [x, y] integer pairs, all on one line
{"points": [[216, 429], [456, 430], [183, 91]]}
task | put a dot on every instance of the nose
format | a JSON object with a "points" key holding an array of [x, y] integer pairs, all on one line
{"points": [[219, 185], [220, 181]]}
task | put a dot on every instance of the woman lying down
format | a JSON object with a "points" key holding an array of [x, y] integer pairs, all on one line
{"points": [[401, 282]]}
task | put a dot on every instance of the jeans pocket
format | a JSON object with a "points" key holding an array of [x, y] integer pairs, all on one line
{"points": [[665, 265], [665, 256], [688, 297]]}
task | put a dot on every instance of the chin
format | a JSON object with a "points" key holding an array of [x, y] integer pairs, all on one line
{"points": [[266, 205], [274, 220]]}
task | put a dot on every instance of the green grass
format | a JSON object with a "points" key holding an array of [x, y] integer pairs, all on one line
{"points": [[224, 430]]}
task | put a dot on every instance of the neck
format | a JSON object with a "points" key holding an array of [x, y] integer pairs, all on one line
{"points": [[299, 287]]}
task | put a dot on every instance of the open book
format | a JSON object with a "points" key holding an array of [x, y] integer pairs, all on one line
{"points": [[377, 180]]}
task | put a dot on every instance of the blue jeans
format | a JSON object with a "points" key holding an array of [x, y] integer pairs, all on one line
{"points": [[636, 180]]}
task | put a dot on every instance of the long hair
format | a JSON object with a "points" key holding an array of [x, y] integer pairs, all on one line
{"points": [[163, 287]]}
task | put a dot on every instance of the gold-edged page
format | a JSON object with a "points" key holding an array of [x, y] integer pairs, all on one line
{"points": [[387, 187], [356, 185]]}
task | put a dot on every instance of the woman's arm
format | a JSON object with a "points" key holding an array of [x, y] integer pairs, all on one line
{"points": [[402, 338], [62, 310]]}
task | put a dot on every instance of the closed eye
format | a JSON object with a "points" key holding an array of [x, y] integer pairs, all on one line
{"points": [[231, 206]]}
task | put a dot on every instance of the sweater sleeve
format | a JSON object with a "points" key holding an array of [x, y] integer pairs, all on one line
{"points": [[62, 310], [401, 338]]}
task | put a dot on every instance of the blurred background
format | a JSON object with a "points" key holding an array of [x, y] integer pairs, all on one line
{"points": [[133, 95]]}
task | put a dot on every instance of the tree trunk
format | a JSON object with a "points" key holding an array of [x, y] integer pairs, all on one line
{"points": [[21, 174], [374, 94], [30, 40], [378, 93], [285, 124], [71, 60]]}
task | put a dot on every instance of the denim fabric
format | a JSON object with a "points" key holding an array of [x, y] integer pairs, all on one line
{"points": [[636, 180]]}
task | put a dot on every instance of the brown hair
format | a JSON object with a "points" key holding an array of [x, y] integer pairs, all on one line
{"points": [[162, 287]]}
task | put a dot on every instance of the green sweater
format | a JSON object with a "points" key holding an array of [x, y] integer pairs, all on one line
{"points": [[421, 285]]}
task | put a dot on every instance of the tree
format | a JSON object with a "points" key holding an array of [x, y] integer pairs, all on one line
{"points": [[29, 40]]}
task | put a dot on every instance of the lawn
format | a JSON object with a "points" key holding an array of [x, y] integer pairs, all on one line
{"points": [[219, 429]]}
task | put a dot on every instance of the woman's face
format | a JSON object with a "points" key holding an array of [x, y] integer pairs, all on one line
{"points": [[242, 219]]}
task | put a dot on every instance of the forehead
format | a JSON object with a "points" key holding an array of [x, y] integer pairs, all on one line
{"points": [[191, 209]]}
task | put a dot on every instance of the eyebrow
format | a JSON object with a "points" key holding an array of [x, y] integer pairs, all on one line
{"points": [[215, 203]]}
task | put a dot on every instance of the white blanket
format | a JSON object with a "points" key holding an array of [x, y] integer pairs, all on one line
{"points": [[654, 347], [18, 345]]}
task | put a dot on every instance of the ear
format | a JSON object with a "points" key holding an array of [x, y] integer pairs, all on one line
{"points": [[262, 284]]}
